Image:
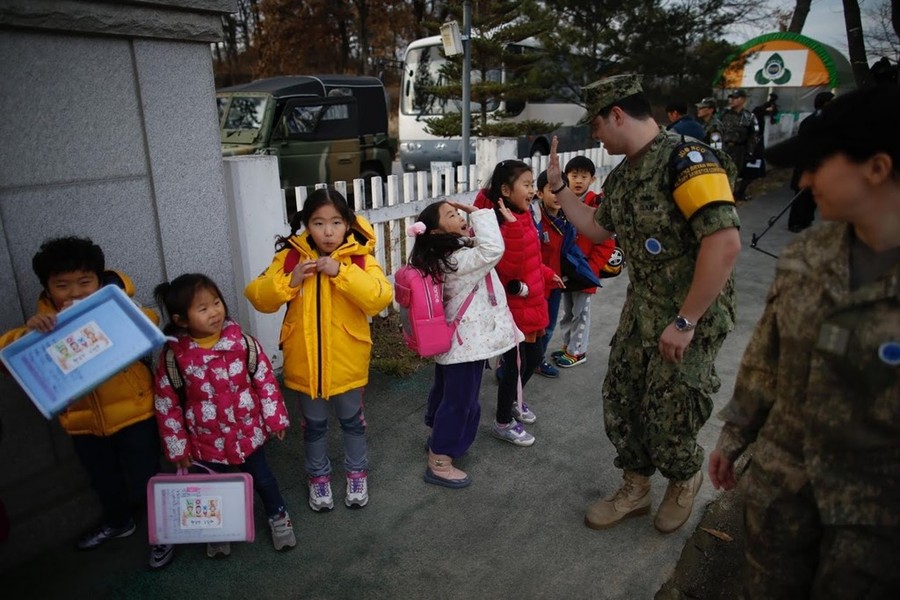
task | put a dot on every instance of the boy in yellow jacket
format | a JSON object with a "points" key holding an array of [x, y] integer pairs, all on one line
{"points": [[113, 427]]}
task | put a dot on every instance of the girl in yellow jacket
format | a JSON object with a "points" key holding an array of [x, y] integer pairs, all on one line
{"points": [[331, 284]]}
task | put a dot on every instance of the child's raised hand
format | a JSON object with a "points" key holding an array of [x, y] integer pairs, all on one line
{"points": [[466, 208], [327, 265], [507, 214], [554, 171], [303, 270], [184, 463], [42, 322]]}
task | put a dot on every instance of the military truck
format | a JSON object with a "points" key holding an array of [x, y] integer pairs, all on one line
{"points": [[322, 128]]}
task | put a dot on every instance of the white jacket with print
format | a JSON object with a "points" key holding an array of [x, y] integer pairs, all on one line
{"points": [[486, 329]]}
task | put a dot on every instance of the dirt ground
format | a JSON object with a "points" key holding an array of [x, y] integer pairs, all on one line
{"points": [[711, 562]]}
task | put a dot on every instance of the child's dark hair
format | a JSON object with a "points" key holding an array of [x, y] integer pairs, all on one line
{"points": [[542, 181], [432, 251], [505, 173], [580, 163], [316, 200], [67, 254], [678, 106], [177, 296]]}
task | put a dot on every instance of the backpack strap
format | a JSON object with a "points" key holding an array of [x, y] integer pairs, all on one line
{"points": [[291, 260], [252, 355], [465, 305], [174, 372]]}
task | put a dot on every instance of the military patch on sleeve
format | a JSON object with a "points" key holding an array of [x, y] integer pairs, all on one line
{"points": [[698, 178]]}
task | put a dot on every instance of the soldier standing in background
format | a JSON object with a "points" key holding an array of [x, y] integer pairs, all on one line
{"points": [[670, 204], [706, 114], [739, 136], [818, 389]]}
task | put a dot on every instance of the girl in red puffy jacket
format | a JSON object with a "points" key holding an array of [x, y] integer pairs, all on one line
{"points": [[527, 281]]}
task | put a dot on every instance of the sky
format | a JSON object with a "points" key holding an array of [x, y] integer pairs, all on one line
{"points": [[825, 23]]}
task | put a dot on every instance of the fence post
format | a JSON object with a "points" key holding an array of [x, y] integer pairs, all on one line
{"points": [[255, 210]]}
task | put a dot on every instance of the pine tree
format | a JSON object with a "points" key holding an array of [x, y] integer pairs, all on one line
{"points": [[496, 27]]}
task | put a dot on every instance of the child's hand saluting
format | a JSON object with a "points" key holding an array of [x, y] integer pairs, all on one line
{"points": [[507, 214]]}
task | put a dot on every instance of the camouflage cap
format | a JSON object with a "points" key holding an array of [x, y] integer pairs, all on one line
{"points": [[708, 102], [602, 93], [738, 93]]}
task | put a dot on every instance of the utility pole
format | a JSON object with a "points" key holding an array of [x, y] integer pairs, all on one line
{"points": [[466, 89]]}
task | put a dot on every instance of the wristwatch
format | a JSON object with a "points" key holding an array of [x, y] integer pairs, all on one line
{"points": [[682, 324]]}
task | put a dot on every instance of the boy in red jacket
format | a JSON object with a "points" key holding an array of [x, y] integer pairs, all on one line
{"points": [[576, 322]]}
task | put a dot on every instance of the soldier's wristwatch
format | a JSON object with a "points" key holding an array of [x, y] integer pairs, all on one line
{"points": [[682, 324]]}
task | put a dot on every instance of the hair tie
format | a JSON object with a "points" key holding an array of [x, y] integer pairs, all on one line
{"points": [[417, 228]]}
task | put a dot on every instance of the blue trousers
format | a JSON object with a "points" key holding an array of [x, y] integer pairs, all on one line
{"points": [[264, 481], [119, 467], [349, 410], [553, 302], [453, 410]]}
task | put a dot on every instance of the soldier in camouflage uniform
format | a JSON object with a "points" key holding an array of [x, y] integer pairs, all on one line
{"points": [[706, 114], [738, 135], [670, 205], [818, 389]]}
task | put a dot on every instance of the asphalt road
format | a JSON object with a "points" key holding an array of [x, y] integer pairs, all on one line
{"points": [[517, 532]]}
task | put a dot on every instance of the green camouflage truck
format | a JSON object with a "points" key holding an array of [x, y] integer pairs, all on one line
{"points": [[322, 128]]}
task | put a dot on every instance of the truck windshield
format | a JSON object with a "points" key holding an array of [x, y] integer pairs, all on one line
{"points": [[424, 69], [245, 113]]}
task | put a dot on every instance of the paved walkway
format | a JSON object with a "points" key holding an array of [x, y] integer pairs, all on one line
{"points": [[517, 532]]}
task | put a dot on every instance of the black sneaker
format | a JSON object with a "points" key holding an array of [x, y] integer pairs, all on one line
{"points": [[104, 534], [161, 555]]}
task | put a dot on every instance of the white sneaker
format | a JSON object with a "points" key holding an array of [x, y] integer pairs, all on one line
{"points": [[282, 532], [320, 497], [357, 489], [218, 549], [526, 416], [513, 432]]}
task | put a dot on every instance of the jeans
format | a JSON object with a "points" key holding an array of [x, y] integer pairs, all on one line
{"points": [[553, 309], [264, 481], [349, 410]]}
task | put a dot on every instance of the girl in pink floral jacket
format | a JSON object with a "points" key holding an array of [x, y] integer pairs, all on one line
{"points": [[221, 413]]}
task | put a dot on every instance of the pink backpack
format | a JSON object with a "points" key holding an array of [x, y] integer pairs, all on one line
{"points": [[421, 300]]}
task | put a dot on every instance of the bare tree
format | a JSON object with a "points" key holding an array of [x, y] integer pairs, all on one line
{"points": [[882, 36], [856, 44], [798, 20]]}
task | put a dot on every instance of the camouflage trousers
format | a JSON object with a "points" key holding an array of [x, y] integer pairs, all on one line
{"points": [[653, 409], [791, 554]]}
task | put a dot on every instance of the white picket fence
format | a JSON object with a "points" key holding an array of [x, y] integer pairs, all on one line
{"points": [[258, 213], [397, 201]]}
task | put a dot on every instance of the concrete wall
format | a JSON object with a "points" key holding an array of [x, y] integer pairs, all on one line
{"points": [[109, 131]]}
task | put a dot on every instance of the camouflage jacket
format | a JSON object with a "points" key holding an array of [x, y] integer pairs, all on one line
{"points": [[661, 243], [713, 130], [738, 128], [819, 385]]}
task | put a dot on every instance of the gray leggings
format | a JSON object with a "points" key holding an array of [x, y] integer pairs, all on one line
{"points": [[348, 408]]}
